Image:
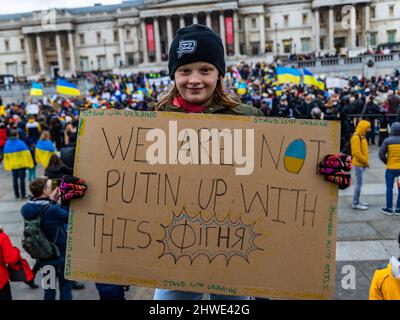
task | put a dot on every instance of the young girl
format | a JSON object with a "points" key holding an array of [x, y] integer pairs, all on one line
{"points": [[196, 64]]}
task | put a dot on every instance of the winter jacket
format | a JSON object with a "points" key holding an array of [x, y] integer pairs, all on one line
{"points": [[56, 171], [384, 286], [389, 152], [33, 129], [9, 255], [67, 155], [3, 136], [241, 110], [54, 221], [359, 144]]}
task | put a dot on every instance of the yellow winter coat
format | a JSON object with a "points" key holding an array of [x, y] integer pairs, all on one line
{"points": [[359, 144], [384, 286]]}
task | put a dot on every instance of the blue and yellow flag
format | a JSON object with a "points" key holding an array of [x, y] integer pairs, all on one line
{"points": [[17, 155], [286, 75], [36, 89], [311, 80], [67, 88], [278, 90], [321, 85], [43, 152]]}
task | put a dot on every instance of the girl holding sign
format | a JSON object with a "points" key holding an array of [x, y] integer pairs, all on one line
{"points": [[196, 64]]}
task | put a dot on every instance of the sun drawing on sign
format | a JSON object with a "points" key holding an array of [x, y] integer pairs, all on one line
{"points": [[193, 237]]}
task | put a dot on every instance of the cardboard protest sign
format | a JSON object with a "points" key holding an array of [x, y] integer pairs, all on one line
{"points": [[207, 203]]}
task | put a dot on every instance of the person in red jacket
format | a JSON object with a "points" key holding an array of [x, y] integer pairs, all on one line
{"points": [[9, 255]]}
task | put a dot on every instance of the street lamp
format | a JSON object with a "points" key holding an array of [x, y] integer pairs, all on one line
{"points": [[367, 35]]}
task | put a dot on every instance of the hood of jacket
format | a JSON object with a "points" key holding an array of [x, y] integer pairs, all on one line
{"points": [[395, 129], [32, 208], [363, 127]]}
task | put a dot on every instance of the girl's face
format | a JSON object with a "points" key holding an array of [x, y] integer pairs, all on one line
{"points": [[196, 82]]}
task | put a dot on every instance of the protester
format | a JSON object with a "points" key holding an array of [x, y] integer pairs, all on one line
{"points": [[17, 158], [385, 284], [199, 88], [10, 259], [44, 149], [3, 138], [33, 129], [54, 225], [359, 154], [389, 153], [56, 169]]}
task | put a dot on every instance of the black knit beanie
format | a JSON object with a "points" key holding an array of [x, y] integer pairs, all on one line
{"points": [[193, 44]]}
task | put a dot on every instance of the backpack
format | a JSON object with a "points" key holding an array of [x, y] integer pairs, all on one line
{"points": [[35, 242]]}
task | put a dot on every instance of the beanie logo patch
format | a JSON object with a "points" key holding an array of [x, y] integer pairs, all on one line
{"points": [[186, 47]]}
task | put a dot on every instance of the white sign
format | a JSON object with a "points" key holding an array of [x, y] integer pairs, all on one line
{"points": [[32, 108]]}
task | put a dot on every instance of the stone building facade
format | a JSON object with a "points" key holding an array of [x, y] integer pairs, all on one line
{"points": [[138, 32]]}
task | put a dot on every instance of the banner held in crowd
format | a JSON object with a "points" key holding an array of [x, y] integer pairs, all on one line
{"points": [[67, 88]]}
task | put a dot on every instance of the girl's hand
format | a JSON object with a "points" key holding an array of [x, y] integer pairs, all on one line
{"points": [[55, 194], [72, 187]]}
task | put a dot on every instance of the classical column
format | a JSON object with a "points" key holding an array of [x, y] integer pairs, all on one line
{"points": [[135, 37], [157, 40], [169, 31], [28, 53], [236, 33], [40, 54], [144, 42], [247, 34], [208, 19], [195, 19], [181, 21], [71, 52], [222, 29], [331, 30], [59, 53], [121, 45], [353, 23], [262, 33], [367, 18], [316, 32]]}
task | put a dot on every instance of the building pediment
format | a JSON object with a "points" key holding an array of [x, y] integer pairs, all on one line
{"points": [[330, 3], [153, 4], [181, 7]]}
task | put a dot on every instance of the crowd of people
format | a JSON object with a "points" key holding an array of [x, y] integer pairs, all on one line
{"points": [[46, 137]]}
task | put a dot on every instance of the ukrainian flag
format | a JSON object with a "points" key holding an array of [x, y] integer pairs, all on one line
{"points": [[321, 85], [278, 90], [17, 155], [309, 78], [67, 88], [36, 89], [43, 152], [285, 75]]}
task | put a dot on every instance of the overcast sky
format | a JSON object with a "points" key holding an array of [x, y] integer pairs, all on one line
{"points": [[19, 6]]}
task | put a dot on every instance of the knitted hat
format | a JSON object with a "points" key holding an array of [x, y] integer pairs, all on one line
{"points": [[193, 44]]}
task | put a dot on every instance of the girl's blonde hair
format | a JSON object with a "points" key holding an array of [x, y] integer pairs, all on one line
{"points": [[221, 96], [45, 135]]}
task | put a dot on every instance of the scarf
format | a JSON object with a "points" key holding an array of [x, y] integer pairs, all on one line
{"points": [[187, 106]]}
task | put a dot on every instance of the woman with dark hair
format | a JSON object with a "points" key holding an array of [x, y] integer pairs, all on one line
{"points": [[56, 168]]}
